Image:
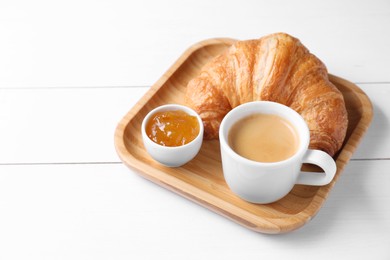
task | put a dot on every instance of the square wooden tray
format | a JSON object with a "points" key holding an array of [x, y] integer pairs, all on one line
{"points": [[201, 180]]}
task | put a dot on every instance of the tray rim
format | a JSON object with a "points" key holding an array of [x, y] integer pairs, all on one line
{"points": [[218, 205]]}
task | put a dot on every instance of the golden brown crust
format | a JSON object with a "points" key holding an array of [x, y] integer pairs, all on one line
{"points": [[277, 68]]}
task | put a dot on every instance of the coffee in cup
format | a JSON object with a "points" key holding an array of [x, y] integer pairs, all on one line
{"points": [[260, 181], [264, 138]]}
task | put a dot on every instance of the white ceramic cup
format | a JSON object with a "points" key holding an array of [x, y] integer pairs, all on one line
{"points": [[177, 155], [260, 182]]}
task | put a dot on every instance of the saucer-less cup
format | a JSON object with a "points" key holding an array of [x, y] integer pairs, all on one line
{"points": [[260, 182], [172, 156]]}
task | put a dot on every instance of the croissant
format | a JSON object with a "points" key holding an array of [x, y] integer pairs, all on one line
{"points": [[277, 68]]}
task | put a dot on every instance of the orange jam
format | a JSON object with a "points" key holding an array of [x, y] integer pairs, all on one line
{"points": [[172, 128]]}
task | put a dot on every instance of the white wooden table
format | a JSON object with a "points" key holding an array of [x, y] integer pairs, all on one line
{"points": [[69, 71]]}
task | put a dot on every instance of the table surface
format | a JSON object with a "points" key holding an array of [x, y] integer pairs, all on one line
{"points": [[70, 70]]}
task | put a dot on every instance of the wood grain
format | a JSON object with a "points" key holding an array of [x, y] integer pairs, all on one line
{"points": [[201, 180]]}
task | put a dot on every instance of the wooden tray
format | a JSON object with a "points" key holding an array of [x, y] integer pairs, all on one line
{"points": [[201, 180]]}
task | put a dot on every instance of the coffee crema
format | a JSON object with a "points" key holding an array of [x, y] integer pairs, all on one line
{"points": [[264, 138]]}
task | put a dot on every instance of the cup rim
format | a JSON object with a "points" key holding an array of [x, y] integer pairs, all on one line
{"points": [[168, 107], [298, 120]]}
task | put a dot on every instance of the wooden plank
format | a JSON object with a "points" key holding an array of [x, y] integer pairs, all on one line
{"points": [[106, 211], [125, 43], [77, 124], [62, 125], [376, 143]]}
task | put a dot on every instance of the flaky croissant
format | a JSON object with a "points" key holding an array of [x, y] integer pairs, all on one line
{"points": [[277, 68]]}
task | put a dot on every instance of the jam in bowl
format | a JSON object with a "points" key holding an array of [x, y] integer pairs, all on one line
{"points": [[172, 134]]}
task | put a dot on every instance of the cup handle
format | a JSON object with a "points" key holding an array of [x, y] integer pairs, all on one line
{"points": [[324, 161]]}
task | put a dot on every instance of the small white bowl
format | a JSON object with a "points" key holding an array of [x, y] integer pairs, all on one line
{"points": [[172, 156]]}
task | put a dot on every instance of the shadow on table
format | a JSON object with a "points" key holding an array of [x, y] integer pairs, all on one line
{"points": [[348, 195]]}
